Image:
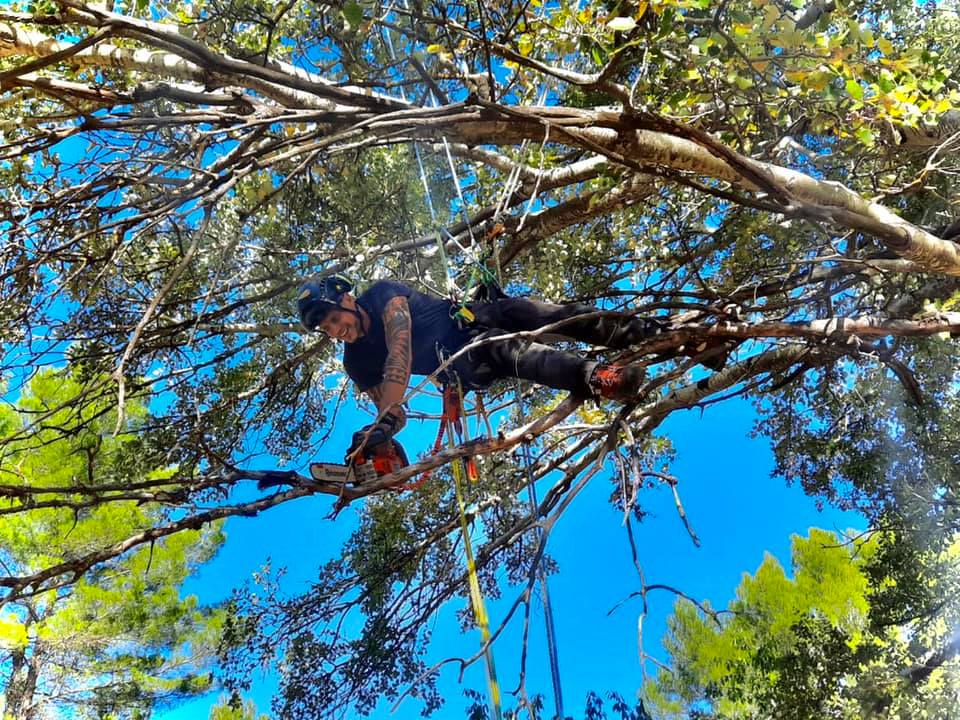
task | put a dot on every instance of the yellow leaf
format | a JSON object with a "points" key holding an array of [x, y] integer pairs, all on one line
{"points": [[641, 10], [904, 96], [818, 81], [838, 57], [13, 633], [434, 49], [886, 47], [942, 106]]}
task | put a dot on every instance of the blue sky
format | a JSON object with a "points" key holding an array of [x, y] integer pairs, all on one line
{"points": [[736, 508]]}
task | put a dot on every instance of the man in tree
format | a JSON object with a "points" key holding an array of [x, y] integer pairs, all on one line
{"points": [[391, 332]]}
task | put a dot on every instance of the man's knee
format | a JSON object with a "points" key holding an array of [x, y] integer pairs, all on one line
{"points": [[480, 365]]}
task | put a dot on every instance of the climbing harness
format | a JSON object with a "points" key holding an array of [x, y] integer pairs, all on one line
{"points": [[451, 418]]}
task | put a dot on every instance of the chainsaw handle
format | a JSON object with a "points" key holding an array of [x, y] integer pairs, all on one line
{"points": [[386, 458]]}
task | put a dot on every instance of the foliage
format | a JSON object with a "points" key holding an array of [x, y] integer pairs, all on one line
{"points": [[594, 708], [118, 641], [234, 709], [870, 449], [817, 644]]}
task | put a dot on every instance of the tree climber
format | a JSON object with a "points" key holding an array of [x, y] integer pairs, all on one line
{"points": [[391, 332]]}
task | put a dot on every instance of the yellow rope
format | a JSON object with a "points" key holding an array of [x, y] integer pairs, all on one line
{"points": [[476, 596]]}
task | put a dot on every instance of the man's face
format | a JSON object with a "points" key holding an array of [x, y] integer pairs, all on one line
{"points": [[341, 325]]}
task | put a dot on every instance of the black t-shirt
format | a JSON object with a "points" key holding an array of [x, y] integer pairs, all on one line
{"points": [[432, 330]]}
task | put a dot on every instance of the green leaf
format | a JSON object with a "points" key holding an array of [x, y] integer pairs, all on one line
{"points": [[701, 44], [886, 82], [596, 52], [855, 90], [353, 14]]}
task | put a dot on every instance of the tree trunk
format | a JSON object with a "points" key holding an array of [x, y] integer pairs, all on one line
{"points": [[19, 694]]}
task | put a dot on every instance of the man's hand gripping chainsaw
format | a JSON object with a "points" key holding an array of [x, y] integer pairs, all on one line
{"points": [[372, 454]]}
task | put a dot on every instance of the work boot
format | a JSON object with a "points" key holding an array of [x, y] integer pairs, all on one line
{"points": [[626, 334], [616, 382]]}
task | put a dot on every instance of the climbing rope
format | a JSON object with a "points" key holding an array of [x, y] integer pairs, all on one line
{"points": [[451, 422], [461, 468], [452, 411], [541, 575]]}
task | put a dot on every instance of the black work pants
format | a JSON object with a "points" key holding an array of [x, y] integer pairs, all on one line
{"points": [[524, 358]]}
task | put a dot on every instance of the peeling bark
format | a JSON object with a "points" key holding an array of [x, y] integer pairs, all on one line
{"points": [[813, 12], [809, 196], [925, 136]]}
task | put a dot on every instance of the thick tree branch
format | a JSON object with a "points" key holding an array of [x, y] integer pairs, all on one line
{"points": [[582, 208], [808, 196]]}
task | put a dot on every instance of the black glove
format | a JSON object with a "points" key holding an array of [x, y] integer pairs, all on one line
{"points": [[370, 437]]}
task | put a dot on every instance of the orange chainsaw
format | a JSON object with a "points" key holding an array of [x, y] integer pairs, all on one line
{"points": [[367, 465]]}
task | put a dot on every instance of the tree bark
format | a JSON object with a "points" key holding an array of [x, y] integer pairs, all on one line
{"points": [[807, 196], [19, 695]]}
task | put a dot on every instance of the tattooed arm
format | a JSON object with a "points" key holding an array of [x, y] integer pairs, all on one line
{"points": [[396, 370]]}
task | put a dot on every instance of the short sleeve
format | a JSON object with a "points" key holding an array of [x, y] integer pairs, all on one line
{"points": [[377, 296]]}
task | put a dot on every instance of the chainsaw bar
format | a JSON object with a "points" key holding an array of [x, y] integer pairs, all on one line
{"points": [[342, 474]]}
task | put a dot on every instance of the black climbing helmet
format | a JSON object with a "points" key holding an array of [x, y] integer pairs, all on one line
{"points": [[318, 297]]}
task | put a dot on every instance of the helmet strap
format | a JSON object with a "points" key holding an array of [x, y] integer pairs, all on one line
{"points": [[364, 324]]}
